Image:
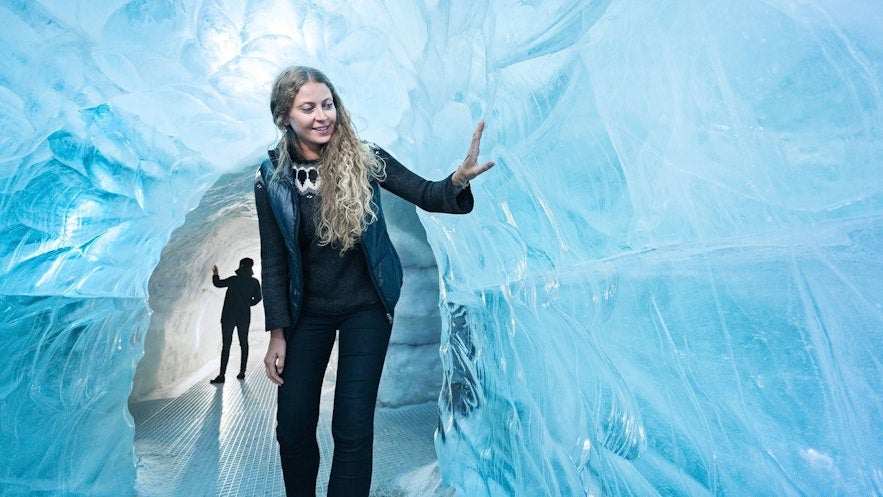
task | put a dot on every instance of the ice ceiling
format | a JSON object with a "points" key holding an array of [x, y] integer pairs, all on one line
{"points": [[671, 284]]}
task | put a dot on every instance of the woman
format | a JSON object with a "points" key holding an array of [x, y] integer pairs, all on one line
{"points": [[328, 267]]}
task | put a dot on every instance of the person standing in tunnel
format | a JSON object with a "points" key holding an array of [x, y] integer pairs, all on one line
{"points": [[330, 272], [243, 291]]}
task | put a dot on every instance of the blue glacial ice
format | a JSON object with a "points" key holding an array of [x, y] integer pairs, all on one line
{"points": [[670, 286]]}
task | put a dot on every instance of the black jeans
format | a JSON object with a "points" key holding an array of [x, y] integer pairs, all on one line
{"points": [[363, 339], [227, 341]]}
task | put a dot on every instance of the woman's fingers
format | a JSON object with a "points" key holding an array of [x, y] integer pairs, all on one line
{"points": [[476, 137], [274, 362], [487, 165], [470, 168], [474, 148], [477, 170]]}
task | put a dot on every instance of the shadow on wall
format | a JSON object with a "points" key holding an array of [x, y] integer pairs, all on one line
{"points": [[183, 340]]}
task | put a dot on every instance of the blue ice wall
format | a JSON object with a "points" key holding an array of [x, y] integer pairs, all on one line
{"points": [[670, 284]]}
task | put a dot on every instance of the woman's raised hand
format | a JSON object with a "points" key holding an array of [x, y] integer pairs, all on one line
{"points": [[470, 168]]}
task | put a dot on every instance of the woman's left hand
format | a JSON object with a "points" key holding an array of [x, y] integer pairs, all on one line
{"points": [[470, 168]]}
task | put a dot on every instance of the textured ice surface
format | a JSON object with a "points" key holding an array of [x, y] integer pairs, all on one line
{"points": [[670, 284]]}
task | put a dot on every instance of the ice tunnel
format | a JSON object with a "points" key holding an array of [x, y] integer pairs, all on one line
{"points": [[670, 286]]}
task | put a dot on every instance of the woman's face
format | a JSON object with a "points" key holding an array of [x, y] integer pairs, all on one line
{"points": [[312, 116]]}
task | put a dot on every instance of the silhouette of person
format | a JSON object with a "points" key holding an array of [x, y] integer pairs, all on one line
{"points": [[331, 273], [243, 291]]}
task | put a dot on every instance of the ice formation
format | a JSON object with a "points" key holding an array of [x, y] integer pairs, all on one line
{"points": [[670, 284]]}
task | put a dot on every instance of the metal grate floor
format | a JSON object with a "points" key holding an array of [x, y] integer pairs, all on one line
{"points": [[219, 440]]}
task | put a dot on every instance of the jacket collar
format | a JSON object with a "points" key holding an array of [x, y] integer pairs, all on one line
{"points": [[285, 175]]}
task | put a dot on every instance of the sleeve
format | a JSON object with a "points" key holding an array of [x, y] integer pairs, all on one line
{"points": [[274, 261], [431, 196], [220, 283]]}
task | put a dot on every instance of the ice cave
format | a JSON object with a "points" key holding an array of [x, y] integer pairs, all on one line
{"points": [[671, 285]]}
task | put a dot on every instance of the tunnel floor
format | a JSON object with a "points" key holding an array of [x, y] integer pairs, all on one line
{"points": [[219, 440]]}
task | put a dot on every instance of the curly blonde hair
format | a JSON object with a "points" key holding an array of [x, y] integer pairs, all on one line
{"points": [[347, 165]]}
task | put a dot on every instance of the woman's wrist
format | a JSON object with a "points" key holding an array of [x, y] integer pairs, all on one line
{"points": [[458, 180]]}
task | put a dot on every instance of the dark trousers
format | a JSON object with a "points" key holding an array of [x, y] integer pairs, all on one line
{"points": [[227, 341], [362, 342]]}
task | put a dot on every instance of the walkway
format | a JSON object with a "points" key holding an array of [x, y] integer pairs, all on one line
{"points": [[219, 441]]}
